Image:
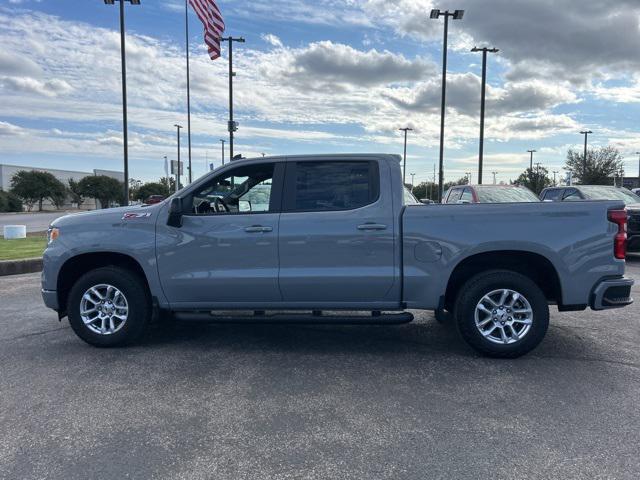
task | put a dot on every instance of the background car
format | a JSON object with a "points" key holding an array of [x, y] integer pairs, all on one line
{"points": [[489, 194], [602, 192], [153, 199]]}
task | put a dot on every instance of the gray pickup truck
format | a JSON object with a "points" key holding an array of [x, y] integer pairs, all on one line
{"points": [[333, 239]]}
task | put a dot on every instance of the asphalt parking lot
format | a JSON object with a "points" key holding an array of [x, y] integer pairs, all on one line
{"points": [[411, 401]]}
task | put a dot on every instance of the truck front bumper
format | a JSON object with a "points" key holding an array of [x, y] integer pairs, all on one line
{"points": [[612, 293], [50, 298]]}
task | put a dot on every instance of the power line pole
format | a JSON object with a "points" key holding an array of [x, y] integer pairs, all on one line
{"points": [[457, 15], [531, 159], [178, 127], [404, 168], [222, 141], [232, 126], [484, 51], [186, 15], [584, 158], [125, 129]]}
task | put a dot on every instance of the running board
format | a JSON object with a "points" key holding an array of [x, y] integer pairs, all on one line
{"points": [[315, 318]]}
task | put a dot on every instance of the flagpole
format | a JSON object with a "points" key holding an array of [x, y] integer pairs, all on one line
{"points": [[186, 11]]}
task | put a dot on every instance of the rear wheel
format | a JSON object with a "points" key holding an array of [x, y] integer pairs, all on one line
{"points": [[109, 307], [502, 314]]}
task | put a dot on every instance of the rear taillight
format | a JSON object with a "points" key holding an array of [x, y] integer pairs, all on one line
{"points": [[619, 217]]}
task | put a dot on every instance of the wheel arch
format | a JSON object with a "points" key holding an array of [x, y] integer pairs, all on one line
{"points": [[532, 265], [76, 266]]}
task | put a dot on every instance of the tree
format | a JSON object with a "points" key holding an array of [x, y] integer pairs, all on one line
{"points": [[9, 202], [602, 165], [171, 183], [535, 179], [102, 188], [75, 192], [34, 186], [58, 194], [152, 188], [426, 190]]}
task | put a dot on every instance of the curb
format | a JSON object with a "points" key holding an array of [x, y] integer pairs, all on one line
{"points": [[16, 267]]}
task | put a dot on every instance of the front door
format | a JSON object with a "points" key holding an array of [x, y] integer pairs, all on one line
{"points": [[225, 253], [337, 234]]}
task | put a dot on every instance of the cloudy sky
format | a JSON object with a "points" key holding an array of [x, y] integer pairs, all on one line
{"points": [[320, 76]]}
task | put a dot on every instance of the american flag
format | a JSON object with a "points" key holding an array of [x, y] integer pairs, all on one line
{"points": [[211, 18]]}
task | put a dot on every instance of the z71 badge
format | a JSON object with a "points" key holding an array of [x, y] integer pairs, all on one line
{"points": [[132, 215]]}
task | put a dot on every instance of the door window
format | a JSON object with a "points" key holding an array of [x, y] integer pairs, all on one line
{"points": [[572, 195], [467, 196], [454, 195], [331, 185], [552, 195], [245, 189]]}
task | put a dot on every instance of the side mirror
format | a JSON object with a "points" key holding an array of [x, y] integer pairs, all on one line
{"points": [[175, 213]]}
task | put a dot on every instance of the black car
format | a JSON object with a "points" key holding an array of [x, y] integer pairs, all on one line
{"points": [[602, 192]]}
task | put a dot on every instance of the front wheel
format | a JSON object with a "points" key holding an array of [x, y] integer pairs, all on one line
{"points": [[109, 307], [502, 314]]}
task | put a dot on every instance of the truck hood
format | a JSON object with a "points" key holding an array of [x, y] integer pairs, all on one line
{"points": [[111, 215]]}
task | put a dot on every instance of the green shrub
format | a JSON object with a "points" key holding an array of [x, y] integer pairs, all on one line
{"points": [[9, 202]]}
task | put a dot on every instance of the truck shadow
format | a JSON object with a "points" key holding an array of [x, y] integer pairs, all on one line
{"points": [[424, 337]]}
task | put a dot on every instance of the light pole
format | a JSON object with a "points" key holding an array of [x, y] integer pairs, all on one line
{"points": [[554, 178], [494, 177], [123, 59], [232, 126], [222, 142], [537, 177], [584, 158], [178, 127], [638, 153], [404, 168], [484, 51], [457, 15], [531, 158], [468, 175], [412, 177]]}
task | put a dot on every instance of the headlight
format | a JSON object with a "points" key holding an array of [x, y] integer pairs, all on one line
{"points": [[52, 234]]}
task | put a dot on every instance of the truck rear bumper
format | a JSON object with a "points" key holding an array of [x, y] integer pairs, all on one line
{"points": [[50, 298], [612, 293]]}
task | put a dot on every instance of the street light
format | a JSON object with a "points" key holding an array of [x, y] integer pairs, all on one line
{"points": [[494, 177], [554, 178], [412, 176], [178, 127], [638, 153], [584, 158], [404, 168], [468, 175], [457, 15], [222, 141], [484, 51], [531, 159], [124, 93]]}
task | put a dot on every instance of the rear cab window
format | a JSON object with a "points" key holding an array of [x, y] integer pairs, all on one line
{"points": [[331, 185]]}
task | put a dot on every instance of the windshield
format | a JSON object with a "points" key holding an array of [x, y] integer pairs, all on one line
{"points": [[505, 195], [603, 192], [409, 199]]}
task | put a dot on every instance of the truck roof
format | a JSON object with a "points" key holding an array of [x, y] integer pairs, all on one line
{"points": [[328, 156]]}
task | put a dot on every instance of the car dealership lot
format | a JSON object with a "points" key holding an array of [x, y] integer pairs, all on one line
{"points": [[224, 401]]}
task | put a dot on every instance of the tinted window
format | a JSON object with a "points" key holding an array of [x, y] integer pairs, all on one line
{"points": [[331, 185], [467, 196], [552, 195], [241, 190], [572, 195]]}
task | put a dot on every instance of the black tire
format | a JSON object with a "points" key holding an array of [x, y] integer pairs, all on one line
{"points": [[482, 284], [442, 316], [136, 294]]}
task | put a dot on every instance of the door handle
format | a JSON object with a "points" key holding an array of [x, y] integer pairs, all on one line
{"points": [[258, 229], [372, 226]]}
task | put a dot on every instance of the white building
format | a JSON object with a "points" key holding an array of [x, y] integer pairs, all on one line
{"points": [[8, 171]]}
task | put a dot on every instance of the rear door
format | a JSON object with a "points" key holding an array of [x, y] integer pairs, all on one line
{"points": [[337, 233]]}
